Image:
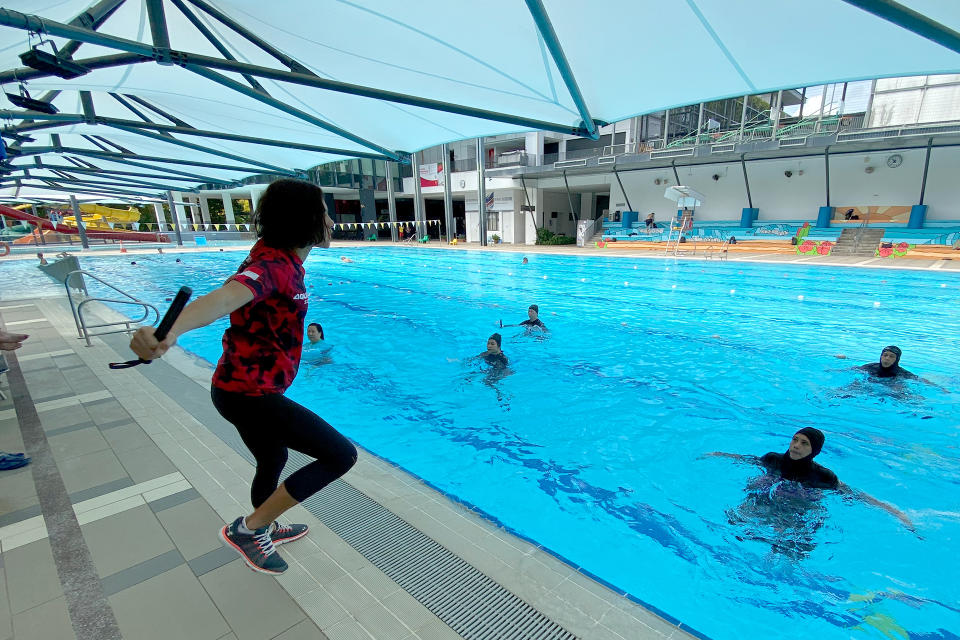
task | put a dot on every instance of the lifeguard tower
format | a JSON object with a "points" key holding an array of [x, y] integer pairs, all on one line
{"points": [[687, 200]]}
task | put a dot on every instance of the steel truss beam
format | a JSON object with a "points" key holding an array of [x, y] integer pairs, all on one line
{"points": [[212, 39], [22, 21], [157, 110], [130, 184], [111, 172], [66, 119], [542, 20], [303, 115], [910, 20], [99, 62], [20, 183], [130, 157]]}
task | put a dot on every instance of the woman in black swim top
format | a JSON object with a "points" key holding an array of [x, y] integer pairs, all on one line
{"points": [[889, 365], [493, 356], [797, 465]]}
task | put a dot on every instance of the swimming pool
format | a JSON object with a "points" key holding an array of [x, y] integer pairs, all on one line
{"points": [[592, 447]]}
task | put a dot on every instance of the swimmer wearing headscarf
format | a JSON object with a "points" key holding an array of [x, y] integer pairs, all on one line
{"points": [[889, 365], [797, 463]]}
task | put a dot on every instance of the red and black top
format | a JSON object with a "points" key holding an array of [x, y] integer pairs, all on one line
{"points": [[261, 349]]}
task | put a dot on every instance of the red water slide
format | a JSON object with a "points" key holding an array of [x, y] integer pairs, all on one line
{"points": [[43, 223]]}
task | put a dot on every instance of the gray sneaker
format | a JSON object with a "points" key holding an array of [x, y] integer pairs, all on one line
{"points": [[256, 548]]}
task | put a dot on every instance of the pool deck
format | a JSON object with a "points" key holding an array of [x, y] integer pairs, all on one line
{"points": [[111, 531], [741, 254]]}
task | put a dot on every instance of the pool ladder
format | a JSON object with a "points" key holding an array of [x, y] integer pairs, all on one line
{"points": [[83, 328], [686, 224]]}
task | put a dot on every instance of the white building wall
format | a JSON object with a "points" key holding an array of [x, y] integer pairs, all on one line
{"points": [[943, 187], [799, 197]]}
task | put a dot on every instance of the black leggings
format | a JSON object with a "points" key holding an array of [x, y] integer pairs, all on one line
{"points": [[271, 424]]}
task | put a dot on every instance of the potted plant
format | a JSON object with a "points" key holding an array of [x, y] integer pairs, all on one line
{"points": [[496, 239]]}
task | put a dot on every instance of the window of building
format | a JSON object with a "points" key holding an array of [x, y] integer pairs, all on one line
{"points": [[493, 221]]}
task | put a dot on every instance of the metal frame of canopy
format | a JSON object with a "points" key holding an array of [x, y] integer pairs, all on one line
{"points": [[84, 29]]}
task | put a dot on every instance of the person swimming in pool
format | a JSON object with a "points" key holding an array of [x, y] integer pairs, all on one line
{"points": [[797, 465], [317, 352], [314, 332], [889, 365], [889, 369], [494, 356], [533, 320]]}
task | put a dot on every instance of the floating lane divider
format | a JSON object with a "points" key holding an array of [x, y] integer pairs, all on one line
{"points": [[179, 302]]}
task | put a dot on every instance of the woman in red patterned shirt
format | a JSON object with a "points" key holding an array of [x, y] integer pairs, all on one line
{"points": [[267, 303]]}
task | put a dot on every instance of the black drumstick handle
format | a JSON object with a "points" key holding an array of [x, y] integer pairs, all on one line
{"points": [[179, 302]]}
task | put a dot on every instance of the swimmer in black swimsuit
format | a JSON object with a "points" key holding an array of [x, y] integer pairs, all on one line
{"points": [[889, 365], [797, 465], [533, 320], [889, 370], [493, 356]]}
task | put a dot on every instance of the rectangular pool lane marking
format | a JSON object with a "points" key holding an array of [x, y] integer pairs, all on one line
{"points": [[49, 354], [33, 529], [60, 403], [90, 613]]}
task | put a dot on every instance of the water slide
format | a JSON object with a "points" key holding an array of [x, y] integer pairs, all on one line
{"points": [[95, 232]]}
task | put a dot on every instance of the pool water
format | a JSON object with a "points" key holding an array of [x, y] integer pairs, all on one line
{"points": [[593, 446]]}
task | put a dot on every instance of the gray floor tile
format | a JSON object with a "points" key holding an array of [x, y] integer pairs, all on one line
{"points": [[100, 490], [255, 606], [64, 417], [37, 365], [108, 410], [19, 514], [80, 381], [68, 361], [62, 430], [115, 423], [171, 605], [6, 618], [193, 526], [212, 560], [305, 630], [125, 437], [50, 621], [146, 463], [78, 442], [136, 574], [124, 540], [176, 499], [32, 570], [91, 470]]}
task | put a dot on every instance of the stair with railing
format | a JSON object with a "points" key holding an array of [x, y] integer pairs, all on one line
{"points": [[858, 241]]}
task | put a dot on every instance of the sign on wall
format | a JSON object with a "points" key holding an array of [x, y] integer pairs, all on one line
{"points": [[496, 201], [431, 175]]}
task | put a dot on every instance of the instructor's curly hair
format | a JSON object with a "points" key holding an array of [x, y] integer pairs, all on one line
{"points": [[291, 214]]}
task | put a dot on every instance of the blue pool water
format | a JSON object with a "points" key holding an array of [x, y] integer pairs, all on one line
{"points": [[593, 446]]}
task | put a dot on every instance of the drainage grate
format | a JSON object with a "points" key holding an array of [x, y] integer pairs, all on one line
{"points": [[469, 602]]}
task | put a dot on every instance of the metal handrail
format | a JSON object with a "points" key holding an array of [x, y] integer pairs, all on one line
{"points": [[83, 329], [860, 230]]}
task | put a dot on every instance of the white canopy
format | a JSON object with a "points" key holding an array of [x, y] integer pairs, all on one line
{"points": [[559, 64]]}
